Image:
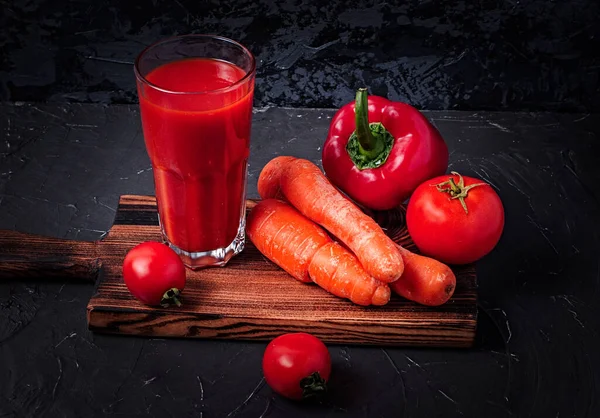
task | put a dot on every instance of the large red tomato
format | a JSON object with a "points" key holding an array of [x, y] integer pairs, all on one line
{"points": [[297, 366], [455, 219]]}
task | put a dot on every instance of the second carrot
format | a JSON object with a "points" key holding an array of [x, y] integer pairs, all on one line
{"points": [[305, 186]]}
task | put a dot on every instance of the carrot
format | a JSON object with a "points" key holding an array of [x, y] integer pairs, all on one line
{"points": [[306, 187], [425, 280], [338, 271], [305, 251], [285, 237], [268, 180]]}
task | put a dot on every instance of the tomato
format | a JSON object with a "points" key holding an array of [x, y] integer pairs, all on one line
{"points": [[297, 366], [455, 219], [154, 273]]}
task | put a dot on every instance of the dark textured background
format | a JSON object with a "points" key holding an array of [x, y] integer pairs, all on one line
{"points": [[63, 166], [434, 54]]}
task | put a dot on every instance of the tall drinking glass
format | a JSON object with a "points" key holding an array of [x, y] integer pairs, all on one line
{"points": [[195, 95]]}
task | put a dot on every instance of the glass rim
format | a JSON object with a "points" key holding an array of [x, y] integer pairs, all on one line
{"points": [[241, 81]]}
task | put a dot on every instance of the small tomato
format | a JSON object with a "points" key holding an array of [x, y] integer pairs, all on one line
{"points": [[154, 273], [297, 366]]}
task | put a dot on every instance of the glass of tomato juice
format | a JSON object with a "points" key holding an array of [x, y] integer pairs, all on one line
{"points": [[195, 94]]}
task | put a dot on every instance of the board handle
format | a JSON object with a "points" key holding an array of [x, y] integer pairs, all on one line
{"points": [[27, 256]]}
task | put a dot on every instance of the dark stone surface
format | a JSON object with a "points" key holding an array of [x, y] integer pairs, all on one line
{"points": [[511, 55], [62, 168]]}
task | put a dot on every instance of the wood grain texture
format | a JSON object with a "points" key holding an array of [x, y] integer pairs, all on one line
{"points": [[253, 299], [24, 256]]}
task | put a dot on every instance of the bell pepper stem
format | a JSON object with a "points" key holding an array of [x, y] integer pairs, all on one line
{"points": [[370, 145]]}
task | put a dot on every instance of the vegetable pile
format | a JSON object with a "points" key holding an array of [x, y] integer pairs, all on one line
{"points": [[378, 153], [360, 262]]}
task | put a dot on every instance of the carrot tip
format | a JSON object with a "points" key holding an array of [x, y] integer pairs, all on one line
{"points": [[381, 296]]}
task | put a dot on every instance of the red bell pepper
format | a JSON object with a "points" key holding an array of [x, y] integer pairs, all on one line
{"points": [[379, 151]]}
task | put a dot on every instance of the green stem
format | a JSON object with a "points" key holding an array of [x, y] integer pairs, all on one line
{"points": [[370, 145], [457, 191], [314, 387], [170, 296], [453, 186]]}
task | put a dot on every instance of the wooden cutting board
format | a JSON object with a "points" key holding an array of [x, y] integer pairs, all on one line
{"points": [[249, 299]]}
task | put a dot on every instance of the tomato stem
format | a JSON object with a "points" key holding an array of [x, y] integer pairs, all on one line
{"points": [[170, 296], [313, 387], [457, 191]]}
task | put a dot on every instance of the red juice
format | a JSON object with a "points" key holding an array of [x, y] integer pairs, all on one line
{"points": [[198, 141]]}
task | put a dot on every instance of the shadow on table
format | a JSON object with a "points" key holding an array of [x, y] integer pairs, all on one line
{"points": [[489, 335], [343, 394]]}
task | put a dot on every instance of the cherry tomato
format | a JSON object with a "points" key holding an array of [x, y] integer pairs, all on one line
{"points": [[154, 273], [297, 366], [455, 219]]}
